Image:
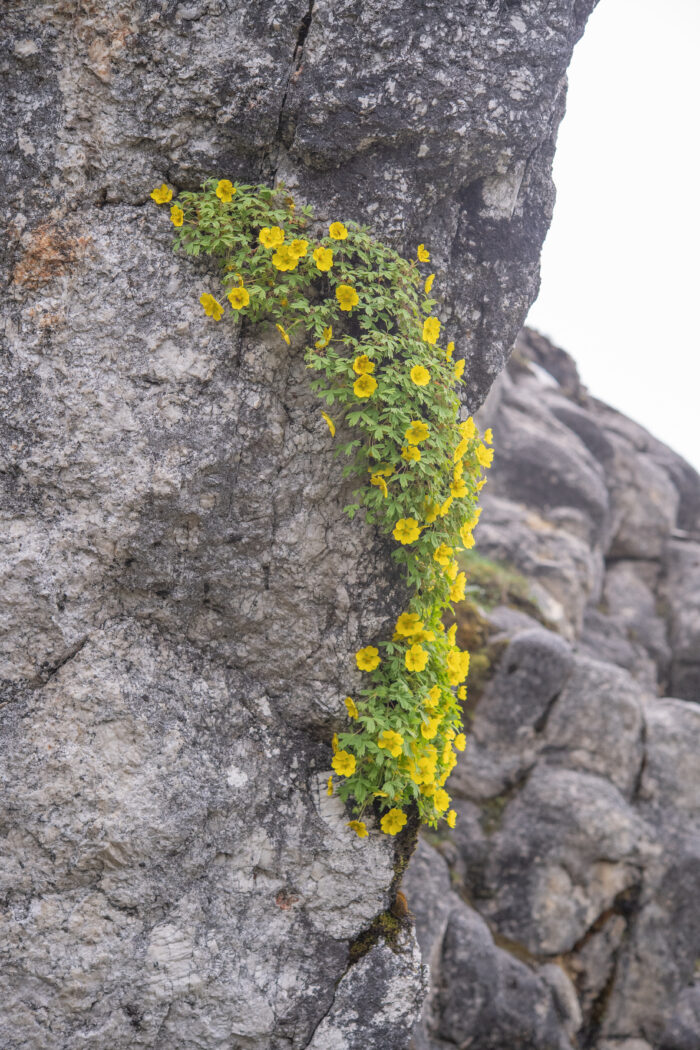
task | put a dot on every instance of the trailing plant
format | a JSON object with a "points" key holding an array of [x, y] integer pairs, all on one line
{"points": [[373, 344]]}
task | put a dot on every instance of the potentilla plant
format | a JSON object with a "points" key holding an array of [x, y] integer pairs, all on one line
{"points": [[375, 350]]}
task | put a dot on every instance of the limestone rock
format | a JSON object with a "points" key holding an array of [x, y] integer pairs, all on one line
{"points": [[578, 796], [182, 593], [481, 993]]}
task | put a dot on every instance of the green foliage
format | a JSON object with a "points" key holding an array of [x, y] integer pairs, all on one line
{"points": [[372, 346], [495, 583]]}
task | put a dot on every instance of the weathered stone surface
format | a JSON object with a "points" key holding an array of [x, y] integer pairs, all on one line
{"points": [[481, 993], [597, 724], [681, 592], [370, 1006], [578, 796], [567, 846], [681, 1033], [182, 593]]}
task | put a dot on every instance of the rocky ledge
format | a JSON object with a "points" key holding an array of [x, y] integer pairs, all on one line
{"points": [[562, 912]]}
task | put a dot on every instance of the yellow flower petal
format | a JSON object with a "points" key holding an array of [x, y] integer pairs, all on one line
{"points": [[329, 421]]}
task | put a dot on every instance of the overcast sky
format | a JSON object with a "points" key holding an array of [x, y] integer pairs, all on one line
{"points": [[620, 271]]}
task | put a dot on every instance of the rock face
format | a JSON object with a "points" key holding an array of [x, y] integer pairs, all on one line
{"points": [[181, 592], [562, 911]]}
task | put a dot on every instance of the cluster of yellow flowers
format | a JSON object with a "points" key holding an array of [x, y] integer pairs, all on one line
{"points": [[423, 468]]}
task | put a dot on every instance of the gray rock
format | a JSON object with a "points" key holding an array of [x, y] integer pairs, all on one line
{"points": [[432, 127], [682, 594], [644, 503], [671, 778], [681, 1032], [568, 845], [370, 1005], [544, 465], [661, 956], [266, 878], [597, 724], [479, 992], [563, 572], [633, 604]]}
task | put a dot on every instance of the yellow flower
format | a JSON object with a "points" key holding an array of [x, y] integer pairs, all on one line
{"points": [[451, 819], [429, 729], [212, 308], [408, 624], [327, 336], [344, 763], [410, 453], [271, 236], [452, 634], [488, 436], [423, 253], [391, 742], [451, 570], [432, 699], [368, 658], [462, 692], [323, 257], [334, 743], [225, 190], [363, 366], [432, 510], [331, 424], [467, 538], [461, 450], [162, 194], [450, 351], [460, 741], [393, 821], [417, 432], [364, 386], [468, 428], [446, 506], [458, 470], [459, 488], [457, 588], [416, 658], [238, 298], [457, 667], [177, 215], [406, 530], [459, 368], [443, 554], [359, 827], [420, 375], [484, 455], [379, 481], [329, 787], [429, 283], [347, 297], [337, 231], [431, 330], [284, 335], [352, 707], [441, 800], [284, 258], [473, 521], [481, 484], [299, 248]]}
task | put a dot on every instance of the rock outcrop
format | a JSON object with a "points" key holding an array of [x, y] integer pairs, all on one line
{"points": [[181, 592], [562, 911]]}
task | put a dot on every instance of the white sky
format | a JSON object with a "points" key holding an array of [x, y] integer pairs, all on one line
{"points": [[620, 273]]}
